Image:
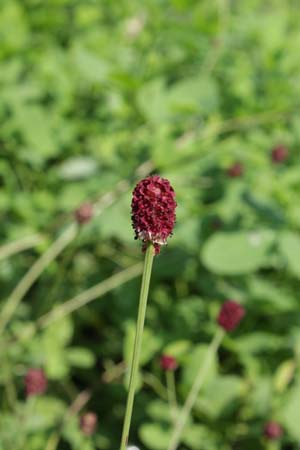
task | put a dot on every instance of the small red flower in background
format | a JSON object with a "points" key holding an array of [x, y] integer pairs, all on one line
{"points": [[279, 154], [35, 382], [273, 430], [84, 213], [236, 170], [230, 315], [168, 362], [153, 211], [88, 423]]}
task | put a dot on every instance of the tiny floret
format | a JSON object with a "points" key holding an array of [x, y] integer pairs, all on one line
{"points": [[35, 382], [88, 423], [153, 211], [273, 430], [84, 213], [168, 362], [236, 170], [279, 154], [230, 315]]}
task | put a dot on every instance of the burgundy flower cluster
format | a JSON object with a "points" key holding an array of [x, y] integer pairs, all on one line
{"points": [[230, 315], [279, 154], [273, 430], [88, 423], [168, 362], [84, 213], [153, 211], [35, 382], [236, 170]]}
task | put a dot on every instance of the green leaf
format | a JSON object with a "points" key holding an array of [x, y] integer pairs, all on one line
{"points": [[90, 66], [155, 436], [284, 375], [177, 349], [198, 94], [289, 244], [265, 293], [151, 101], [77, 168], [151, 344], [44, 412], [60, 331], [117, 223], [260, 395], [80, 357], [199, 436], [219, 394], [54, 342], [237, 253], [258, 341], [38, 133], [158, 410], [192, 95], [290, 412], [56, 364], [192, 364]]}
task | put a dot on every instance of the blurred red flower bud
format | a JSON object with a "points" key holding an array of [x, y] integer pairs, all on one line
{"points": [[273, 430], [84, 213], [35, 382], [168, 362], [230, 315], [279, 154], [88, 423], [236, 170], [153, 211]]}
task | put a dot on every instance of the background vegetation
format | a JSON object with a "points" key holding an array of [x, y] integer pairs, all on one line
{"points": [[95, 95]]}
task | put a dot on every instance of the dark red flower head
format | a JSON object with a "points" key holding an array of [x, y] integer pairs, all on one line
{"points": [[279, 154], [84, 213], [230, 315], [236, 170], [35, 382], [168, 362], [273, 430], [153, 210], [88, 423]]}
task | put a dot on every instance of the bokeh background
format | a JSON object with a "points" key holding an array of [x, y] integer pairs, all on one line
{"points": [[95, 95]]}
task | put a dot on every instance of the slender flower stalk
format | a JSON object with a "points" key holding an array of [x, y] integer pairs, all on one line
{"points": [[33, 274], [169, 364], [171, 388], [194, 392], [273, 445], [150, 252], [153, 218], [230, 315], [273, 433]]}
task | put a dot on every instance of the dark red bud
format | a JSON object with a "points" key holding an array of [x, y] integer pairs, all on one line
{"points": [[279, 154], [168, 362], [88, 423], [236, 170], [35, 382], [230, 315], [84, 213], [153, 211], [273, 430]]}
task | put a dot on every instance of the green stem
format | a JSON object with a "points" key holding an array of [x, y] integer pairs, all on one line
{"points": [[194, 392], [170, 377], [155, 383], [273, 445], [20, 245], [137, 344], [33, 274]]}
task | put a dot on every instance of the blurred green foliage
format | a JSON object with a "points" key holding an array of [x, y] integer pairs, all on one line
{"points": [[90, 92]]}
